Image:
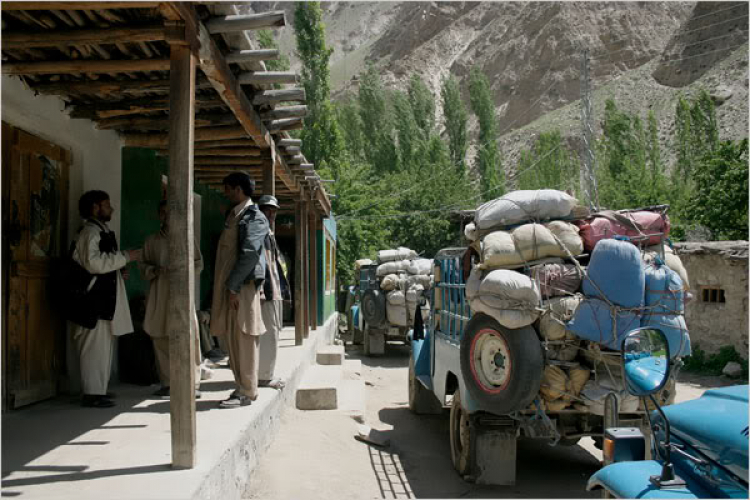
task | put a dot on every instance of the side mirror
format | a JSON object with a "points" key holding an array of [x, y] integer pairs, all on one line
{"points": [[645, 361]]}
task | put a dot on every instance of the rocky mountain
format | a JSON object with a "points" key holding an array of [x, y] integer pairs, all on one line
{"points": [[642, 54]]}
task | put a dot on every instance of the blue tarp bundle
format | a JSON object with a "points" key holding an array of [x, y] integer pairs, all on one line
{"points": [[617, 270], [674, 328], [665, 306], [593, 321]]}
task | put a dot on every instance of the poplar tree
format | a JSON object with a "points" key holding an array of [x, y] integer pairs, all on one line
{"points": [[456, 118], [488, 156]]}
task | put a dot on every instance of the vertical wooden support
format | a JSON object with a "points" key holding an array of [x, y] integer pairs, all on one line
{"points": [[299, 323], [314, 266], [306, 268], [269, 177], [181, 273]]}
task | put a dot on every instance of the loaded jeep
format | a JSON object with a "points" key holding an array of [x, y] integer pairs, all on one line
{"points": [[490, 377]]}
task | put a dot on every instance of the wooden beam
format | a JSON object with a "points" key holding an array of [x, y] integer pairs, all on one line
{"points": [[181, 306], [277, 96], [267, 77], [285, 124], [77, 5], [152, 123], [67, 38], [227, 160], [111, 87], [299, 321], [289, 142], [295, 160], [269, 178], [244, 152], [246, 56], [293, 150], [285, 112], [205, 134], [229, 143], [84, 66], [132, 107], [232, 24]]}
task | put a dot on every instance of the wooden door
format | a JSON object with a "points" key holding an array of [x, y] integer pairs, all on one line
{"points": [[35, 202]]}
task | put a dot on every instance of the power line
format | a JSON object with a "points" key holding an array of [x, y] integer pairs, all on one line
{"points": [[688, 57], [527, 109]]}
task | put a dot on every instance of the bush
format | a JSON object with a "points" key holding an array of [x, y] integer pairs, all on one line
{"points": [[704, 364]]}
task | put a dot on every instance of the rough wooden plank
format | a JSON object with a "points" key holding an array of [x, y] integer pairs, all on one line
{"points": [[111, 87], [226, 160], [246, 56], [84, 66], [285, 112], [204, 134], [290, 142], [152, 123], [77, 5], [181, 274], [25, 39], [285, 124], [229, 143], [269, 178], [277, 96], [267, 77], [234, 23]]}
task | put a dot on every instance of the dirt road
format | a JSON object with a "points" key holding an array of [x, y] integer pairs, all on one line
{"points": [[315, 455]]}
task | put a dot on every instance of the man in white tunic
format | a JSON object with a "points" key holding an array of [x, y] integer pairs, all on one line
{"points": [[154, 268], [96, 252], [275, 290]]}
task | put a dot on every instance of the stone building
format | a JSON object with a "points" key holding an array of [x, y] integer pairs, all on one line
{"points": [[718, 314]]}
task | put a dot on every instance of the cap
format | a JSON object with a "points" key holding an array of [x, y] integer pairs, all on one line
{"points": [[268, 200]]}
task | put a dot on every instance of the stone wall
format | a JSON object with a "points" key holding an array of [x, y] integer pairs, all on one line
{"points": [[714, 325]]}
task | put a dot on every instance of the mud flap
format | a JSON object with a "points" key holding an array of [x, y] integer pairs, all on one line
{"points": [[495, 454]]}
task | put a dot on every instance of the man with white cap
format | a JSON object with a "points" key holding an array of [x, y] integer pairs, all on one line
{"points": [[275, 290]]}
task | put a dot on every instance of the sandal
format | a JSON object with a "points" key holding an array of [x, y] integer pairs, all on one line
{"points": [[235, 401], [276, 383]]}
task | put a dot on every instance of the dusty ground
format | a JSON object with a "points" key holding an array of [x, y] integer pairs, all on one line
{"points": [[315, 455]]}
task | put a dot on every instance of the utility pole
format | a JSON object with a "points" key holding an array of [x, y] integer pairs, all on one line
{"points": [[588, 180]]}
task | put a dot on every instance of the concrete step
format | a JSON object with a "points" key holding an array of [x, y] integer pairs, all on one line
{"points": [[330, 355], [351, 399], [352, 369], [319, 387]]}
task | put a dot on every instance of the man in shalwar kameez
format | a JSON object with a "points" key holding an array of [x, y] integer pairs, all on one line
{"points": [[96, 251], [239, 273], [154, 268]]}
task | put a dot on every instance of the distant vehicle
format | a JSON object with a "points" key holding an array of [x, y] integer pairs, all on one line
{"points": [[701, 446], [489, 375]]}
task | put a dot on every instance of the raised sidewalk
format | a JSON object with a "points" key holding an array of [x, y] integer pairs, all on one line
{"points": [[57, 449]]}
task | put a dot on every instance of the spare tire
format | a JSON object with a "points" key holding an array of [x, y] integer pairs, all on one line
{"points": [[373, 308], [501, 368]]}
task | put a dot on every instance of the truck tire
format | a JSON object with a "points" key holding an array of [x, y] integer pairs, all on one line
{"points": [[421, 400], [373, 308], [462, 442], [501, 368]]}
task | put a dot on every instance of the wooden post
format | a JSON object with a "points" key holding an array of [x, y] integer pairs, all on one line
{"points": [[269, 176], [299, 326], [181, 274], [314, 266], [306, 266]]}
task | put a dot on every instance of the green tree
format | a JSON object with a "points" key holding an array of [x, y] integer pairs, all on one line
{"points": [[377, 122], [720, 198], [456, 119], [423, 106], [407, 130], [322, 141], [266, 40], [350, 122], [488, 161], [549, 164]]}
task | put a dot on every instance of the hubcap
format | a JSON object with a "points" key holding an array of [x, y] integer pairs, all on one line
{"points": [[491, 359]]}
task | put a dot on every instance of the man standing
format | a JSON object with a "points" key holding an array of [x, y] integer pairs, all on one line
{"points": [[275, 290], [155, 269], [96, 252], [240, 272]]}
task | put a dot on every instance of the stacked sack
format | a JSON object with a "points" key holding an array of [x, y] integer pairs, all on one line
{"points": [[405, 278]]}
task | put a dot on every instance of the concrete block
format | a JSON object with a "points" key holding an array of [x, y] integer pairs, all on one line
{"points": [[352, 369], [330, 355], [319, 388], [495, 457], [374, 343]]}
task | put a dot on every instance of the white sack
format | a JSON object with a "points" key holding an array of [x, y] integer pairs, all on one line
{"points": [[402, 253], [593, 395], [499, 250], [393, 267], [473, 283], [510, 285], [397, 298], [414, 293], [519, 206], [396, 314], [509, 318], [559, 311], [419, 279], [390, 282], [534, 242], [361, 262], [470, 231], [420, 266], [568, 234]]}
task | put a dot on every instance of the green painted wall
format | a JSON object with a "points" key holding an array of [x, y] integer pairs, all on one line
{"points": [[326, 303], [141, 192]]}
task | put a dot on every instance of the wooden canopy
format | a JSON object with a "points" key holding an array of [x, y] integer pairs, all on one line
{"points": [[110, 62]]}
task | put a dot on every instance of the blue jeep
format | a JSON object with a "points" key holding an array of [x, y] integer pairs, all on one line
{"points": [[701, 445], [489, 375]]}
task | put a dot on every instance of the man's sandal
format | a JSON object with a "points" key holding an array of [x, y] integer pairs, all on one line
{"points": [[276, 383]]}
